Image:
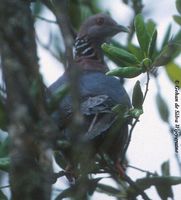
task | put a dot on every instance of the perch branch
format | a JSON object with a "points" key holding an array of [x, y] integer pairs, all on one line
{"points": [[45, 19], [136, 120]]}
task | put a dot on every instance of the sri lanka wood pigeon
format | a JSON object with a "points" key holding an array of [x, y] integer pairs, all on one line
{"points": [[98, 93]]}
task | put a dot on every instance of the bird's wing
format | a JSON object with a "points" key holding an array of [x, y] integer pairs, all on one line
{"points": [[105, 129], [96, 104], [102, 117], [99, 94], [100, 126]]}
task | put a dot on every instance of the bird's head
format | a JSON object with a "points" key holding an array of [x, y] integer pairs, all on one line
{"points": [[100, 27], [93, 32]]}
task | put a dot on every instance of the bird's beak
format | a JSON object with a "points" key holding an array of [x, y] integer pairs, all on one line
{"points": [[122, 29]]}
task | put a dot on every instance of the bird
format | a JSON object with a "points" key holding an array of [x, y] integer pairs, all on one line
{"points": [[98, 92]]}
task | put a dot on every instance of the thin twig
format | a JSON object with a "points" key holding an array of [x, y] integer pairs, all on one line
{"points": [[3, 187], [60, 174], [3, 94], [141, 170], [147, 84], [126, 178], [47, 47], [93, 122], [136, 187], [2, 89], [60, 11], [137, 7], [45, 19], [136, 120]]}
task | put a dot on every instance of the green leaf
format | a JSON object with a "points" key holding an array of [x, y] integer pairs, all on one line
{"points": [[4, 148], [146, 64], [60, 160], [74, 8], [174, 72], [63, 144], [81, 182], [80, 10], [4, 164], [177, 19], [163, 58], [178, 5], [162, 108], [3, 115], [177, 38], [167, 54], [125, 1], [136, 51], [119, 109], [85, 12], [35, 88], [165, 167], [109, 190], [95, 6], [37, 8], [137, 96], [167, 37], [142, 34], [3, 196], [125, 72], [145, 183], [93, 185], [119, 56], [136, 112], [65, 194], [165, 191], [122, 113], [150, 27], [55, 99], [152, 44]]}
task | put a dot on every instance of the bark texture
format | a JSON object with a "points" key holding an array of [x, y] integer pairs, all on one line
{"points": [[30, 150]]}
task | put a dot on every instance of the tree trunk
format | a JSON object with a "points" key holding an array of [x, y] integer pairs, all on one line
{"points": [[30, 151]]}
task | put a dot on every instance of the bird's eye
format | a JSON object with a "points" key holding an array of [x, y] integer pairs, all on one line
{"points": [[100, 21]]}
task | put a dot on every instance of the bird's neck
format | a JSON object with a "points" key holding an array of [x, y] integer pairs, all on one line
{"points": [[88, 54]]}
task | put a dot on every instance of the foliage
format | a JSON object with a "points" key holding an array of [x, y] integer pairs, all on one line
{"points": [[131, 61]]}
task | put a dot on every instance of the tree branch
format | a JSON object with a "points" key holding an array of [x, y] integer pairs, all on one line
{"points": [[136, 121], [59, 8], [45, 19]]}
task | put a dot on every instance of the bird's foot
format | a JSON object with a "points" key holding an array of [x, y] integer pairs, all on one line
{"points": [[70, 174], [120, 168]]}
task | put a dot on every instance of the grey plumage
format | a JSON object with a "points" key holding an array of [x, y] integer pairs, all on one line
{"points": [[98, 93]]}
